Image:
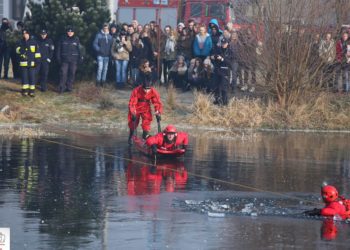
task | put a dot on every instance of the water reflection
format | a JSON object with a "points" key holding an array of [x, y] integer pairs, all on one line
{"points": [[55, 196], [167, 175]]}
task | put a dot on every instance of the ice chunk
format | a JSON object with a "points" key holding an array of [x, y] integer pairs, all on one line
{"points": [[220, 215]]}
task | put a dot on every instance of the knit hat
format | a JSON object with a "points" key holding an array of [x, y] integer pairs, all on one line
{"points": [[181, 25]]}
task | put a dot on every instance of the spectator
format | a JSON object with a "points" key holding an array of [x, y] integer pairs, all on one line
{"points": [[235, 47], [342, 65], [178, 73], [327, 53], [183, 43], [102, 45], [214, 32], [46, 48], [202, 44], [131, 30], [136, 55], [248, 60], [169, 53], [145, 72], [120, 53], [208, 77], [12, 39], [139, 29], [68, 55], [113, 30], [194, 73], [111, 68], [5, 53]]}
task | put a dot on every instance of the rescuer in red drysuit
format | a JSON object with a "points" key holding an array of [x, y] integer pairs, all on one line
{"points": [[169, 139], [335, 205], [140, 106]]}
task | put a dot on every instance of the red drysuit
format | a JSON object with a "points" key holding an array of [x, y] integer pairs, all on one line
{"points": [[140, 105], [335, 208], [181, 138]]}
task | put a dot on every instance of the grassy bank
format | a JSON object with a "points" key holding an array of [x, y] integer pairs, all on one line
{"points": [[89, 106]]}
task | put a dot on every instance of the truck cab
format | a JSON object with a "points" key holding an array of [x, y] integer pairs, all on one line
{"points": [[202, 11]]}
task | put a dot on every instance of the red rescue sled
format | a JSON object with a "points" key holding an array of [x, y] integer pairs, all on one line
{"points": [[142, 146]]}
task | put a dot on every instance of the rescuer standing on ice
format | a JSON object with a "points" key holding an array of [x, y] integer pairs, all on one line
{"points": [[140, 106]]}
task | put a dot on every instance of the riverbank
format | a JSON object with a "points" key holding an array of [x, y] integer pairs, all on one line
{"points": [[88, 107]]}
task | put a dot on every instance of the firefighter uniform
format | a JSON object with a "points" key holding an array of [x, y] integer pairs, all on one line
{"points": [[46, 48], [68, 56], [28, 52]]}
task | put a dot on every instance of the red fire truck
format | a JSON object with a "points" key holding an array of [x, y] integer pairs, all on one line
{"points": [[170, 12]]}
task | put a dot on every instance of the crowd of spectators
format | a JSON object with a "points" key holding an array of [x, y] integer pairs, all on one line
{"points": [[190, 56]]}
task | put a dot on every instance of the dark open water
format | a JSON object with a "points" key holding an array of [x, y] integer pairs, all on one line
{"points": [[54, 196]]}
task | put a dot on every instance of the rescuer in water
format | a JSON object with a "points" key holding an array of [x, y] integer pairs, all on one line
{"points": [[335, 205], [169, 139]]}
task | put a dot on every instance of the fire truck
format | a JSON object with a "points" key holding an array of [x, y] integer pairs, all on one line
{"points": [[170, 12]]}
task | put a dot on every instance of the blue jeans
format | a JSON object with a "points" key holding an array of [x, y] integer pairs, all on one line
{"points": [[121, 71], [102, 67]]}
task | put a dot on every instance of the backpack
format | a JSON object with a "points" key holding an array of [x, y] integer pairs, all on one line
{"points": [[346, 203]]}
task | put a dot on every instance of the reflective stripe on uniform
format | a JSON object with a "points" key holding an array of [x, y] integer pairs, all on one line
{"points": [[18, 50], [32, 87], [25, 86], [32, 64], [32, 48], [37, 55], [23, 64]]}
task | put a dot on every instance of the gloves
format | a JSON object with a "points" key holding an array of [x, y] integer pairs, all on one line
{"points": [[314, 212], [154, 149], [133, 117], [158, 117]]}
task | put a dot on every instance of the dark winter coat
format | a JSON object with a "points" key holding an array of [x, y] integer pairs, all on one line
{"points": [[102, 44], [46, 48], [68, 49]]}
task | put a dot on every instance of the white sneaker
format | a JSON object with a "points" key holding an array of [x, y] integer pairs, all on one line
{"points": [[244, 88], [252, 89]]}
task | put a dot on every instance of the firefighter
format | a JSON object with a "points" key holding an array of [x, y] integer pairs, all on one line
{"points": [[140, 106], [68, 55], [169, 139], [28, 52], [46, 48], [335, 205], [222, 58]]}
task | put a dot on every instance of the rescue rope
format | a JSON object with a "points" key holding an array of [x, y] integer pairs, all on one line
{"points": [[189, 173]]}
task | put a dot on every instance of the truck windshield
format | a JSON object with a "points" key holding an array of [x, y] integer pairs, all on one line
{"points": [[196, 10], [216, 10]]}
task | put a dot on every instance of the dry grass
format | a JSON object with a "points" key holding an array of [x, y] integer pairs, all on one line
{"points": [[324, 111], [171, 96], [107, 107]]}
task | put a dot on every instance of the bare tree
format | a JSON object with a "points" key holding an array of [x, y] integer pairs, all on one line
{"points": [[292, 28]]}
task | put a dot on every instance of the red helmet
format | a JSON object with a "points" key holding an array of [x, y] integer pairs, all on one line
{"points": [[329, 193], [170, 129]]}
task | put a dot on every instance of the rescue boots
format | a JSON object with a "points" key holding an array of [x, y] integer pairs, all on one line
{"points": [[24, 92], [145, 134], [31, 93], [131, 133]]}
